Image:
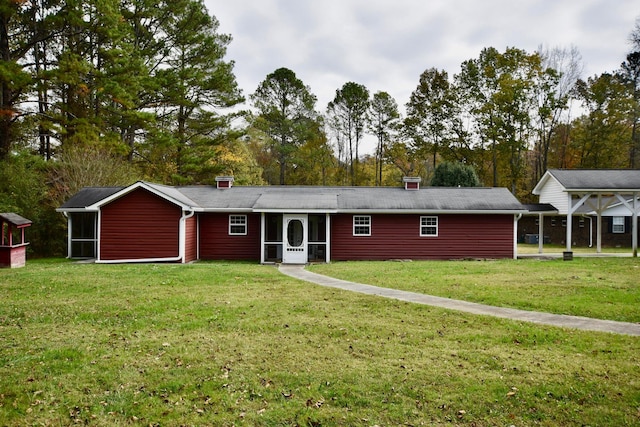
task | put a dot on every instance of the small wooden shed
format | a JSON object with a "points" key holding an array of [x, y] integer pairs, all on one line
{"points": [[13, 245]]}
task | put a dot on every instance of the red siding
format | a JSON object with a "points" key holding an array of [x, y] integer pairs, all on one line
{"points": [[398, 237], [139, 225], [216, 243], [191, 249], [13, 257]]}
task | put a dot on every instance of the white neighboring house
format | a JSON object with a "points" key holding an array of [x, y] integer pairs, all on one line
{"points": [[600, 193]]}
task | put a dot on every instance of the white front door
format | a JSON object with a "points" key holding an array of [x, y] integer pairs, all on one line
{"points": [[294, 228]]}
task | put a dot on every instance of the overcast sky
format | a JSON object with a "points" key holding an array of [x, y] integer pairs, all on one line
{"points": [[386, 44]]}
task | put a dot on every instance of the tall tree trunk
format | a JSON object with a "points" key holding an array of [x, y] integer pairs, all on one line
{"points": [[6, 94]]}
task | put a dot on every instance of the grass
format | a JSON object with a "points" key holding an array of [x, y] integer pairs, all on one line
{"points": [[240, 344], [603, 288]]}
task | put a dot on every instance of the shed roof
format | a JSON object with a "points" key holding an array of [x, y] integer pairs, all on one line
{"points": [[319, 199], [593, 179], [14, 219]]}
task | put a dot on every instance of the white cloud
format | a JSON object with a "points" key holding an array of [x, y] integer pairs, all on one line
{"points": [[387, 45]]}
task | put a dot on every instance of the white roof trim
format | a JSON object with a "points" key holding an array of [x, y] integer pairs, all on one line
{"points": [[77, 210], [601, 190], [140, 184], [432, 211], [296, 210], [543, 182]]}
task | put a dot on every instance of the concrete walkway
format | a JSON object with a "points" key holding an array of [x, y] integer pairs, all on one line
{"points": [[575, 322]]}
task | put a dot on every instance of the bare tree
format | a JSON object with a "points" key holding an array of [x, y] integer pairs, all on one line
{"points": [[563, 68]]}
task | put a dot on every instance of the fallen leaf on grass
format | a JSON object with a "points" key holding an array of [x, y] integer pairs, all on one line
{"points": [[314, 404]]}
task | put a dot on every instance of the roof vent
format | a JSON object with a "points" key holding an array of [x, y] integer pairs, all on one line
{"points": [[224, 181], [412, 183]]}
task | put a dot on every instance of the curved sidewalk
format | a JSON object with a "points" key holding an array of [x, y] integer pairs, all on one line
{"points": [[576, 322]]}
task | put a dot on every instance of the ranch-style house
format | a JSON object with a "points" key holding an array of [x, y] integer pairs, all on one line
{"points": [[146, 222]]}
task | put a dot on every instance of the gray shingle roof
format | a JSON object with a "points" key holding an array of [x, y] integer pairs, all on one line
{"points": [[89, 196], [14, 219], [601, 179], [324, 199], [354, 198]]}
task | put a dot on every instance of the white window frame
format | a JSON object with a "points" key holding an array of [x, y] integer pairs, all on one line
{"points": [[237, 221], [427, 222], [361, 223], [617, 225]]}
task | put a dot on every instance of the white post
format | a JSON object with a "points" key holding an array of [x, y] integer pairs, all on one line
{"points": [[262, 231], [98, 233], [599, 225], [634, 226], [569, 223], [540, 232], [515, 236], [327, 255], [70, 232]]}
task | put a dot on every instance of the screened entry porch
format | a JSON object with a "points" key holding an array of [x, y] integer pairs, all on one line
{"points": [[294, 238]]}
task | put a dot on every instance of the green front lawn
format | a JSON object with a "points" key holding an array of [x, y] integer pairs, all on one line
{"points": [[603, 288], [240, 344]]}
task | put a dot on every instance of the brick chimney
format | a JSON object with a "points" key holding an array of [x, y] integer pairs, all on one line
{"points": [[412, 183], [224, 182]]}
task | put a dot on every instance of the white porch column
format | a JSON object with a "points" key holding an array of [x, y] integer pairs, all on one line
{"points": [[599, 225], [633, 207], [634, 226], [262, 231], [327, 222], [540, 232], [70, 232], [569, 222]]}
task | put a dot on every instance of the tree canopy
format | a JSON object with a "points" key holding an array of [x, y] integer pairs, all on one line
{"points": [[104, 92]]}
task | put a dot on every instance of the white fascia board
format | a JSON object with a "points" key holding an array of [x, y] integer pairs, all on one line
{"points": [[433, 212], [601, 190], [297, 211], [135, 186], [224, 210], [72, 210]]}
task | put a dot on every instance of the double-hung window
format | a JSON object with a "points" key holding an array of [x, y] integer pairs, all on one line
{"points": [[429, 226], [617, 224], [362, 225], [237, 225]]}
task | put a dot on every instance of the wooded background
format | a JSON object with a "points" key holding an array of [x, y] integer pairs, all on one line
{"points": [[108, 92]]}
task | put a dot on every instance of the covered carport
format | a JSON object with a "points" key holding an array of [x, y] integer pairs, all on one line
{"points": [[570, 190]]}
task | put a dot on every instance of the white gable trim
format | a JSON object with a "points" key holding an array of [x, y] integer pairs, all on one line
{"points": [[551, 191], [140, 184], [543, 181]]}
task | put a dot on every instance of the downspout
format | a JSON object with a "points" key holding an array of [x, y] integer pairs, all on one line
{"points": [[183, 235], [590, 230], [181, 247]]}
